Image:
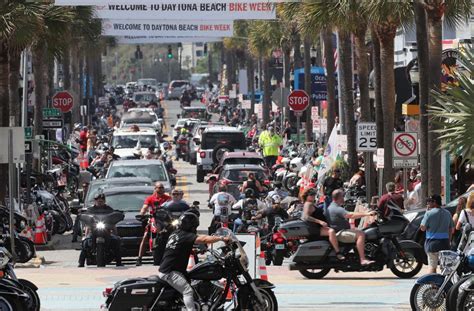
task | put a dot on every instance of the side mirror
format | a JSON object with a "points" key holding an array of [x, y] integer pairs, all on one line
{"points": [[196, 203], [172, 125]]}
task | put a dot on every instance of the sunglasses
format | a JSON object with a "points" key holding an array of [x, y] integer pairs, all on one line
{"points": [[159, 187]]}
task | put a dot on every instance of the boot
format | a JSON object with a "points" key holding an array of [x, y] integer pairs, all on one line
{"points": [[139, 261]]}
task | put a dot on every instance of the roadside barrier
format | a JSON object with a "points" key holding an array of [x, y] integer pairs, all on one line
{"points": [[40, 231]]}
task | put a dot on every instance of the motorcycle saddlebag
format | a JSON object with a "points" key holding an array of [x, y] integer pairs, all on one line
{"points": [[295, 229], [311, 252], [140, 293]]}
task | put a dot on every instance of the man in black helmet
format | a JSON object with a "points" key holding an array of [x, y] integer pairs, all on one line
{"points": [[177, 252]]}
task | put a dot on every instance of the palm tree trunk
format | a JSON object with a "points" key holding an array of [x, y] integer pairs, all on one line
{"points": [[377, 89], [251, 83], [307, 88], [286, 77], [267, 90], [297, 59], [39, 71], [386, 36], [14, 85], [75, 84], [4, 114], [435, 49], [330, 76], [209, 62], [66, 64], [424, 92], [345, 70]]}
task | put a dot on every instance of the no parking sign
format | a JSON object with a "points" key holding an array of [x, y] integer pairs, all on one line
{"points": [[405, 149]]}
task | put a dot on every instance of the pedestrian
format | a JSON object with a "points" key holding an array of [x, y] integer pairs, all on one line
{"points": [[399, 182], [83, 138], [457, 233], [270, 142], [439, 228], [414, 197], [287, 130], [466, 216], [330, 184], [390, 199]]}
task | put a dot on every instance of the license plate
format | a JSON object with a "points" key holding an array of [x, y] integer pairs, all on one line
{"points": [[279, 246]]}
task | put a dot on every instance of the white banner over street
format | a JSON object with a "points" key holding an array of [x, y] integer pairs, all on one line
{"points": [[105, 2], [174, 28], [189, 11], [158, 39]]}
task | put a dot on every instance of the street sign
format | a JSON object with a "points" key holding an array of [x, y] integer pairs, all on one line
{"points": [[380, 158], [298, 100], [28, 132], [366, 136], [18, 146], [341, 143], [316, 124], [314, 112], [51, 113], [52, 124], [63, 101], [405, 149], [28, 146], [324, 126]]}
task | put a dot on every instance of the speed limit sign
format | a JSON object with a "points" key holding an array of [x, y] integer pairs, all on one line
{"points": [[366, 136]]}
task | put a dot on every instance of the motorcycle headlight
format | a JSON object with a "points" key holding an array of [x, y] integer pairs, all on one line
{"points": [[100, 225], [448, 261], [175, 222]]}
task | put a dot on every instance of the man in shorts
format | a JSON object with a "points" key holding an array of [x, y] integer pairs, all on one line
{"points": [[439, 228], [338, 217]]}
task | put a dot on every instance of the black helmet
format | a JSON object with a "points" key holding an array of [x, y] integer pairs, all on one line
{"points": [[249, 193], [189, 222]]}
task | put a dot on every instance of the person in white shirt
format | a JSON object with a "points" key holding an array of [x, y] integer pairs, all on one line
{"points": [[221, 204], [414, 198], [467, 214]]}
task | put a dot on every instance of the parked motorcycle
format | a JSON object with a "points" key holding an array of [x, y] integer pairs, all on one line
{"points": [[314, 259], [229, 263], [430, 291], [101, 224], [461, 295], [15, 294], [24, 248]]}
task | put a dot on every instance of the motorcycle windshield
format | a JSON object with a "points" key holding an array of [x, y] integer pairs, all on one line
{"points": [[240, 252], [110, 219]]}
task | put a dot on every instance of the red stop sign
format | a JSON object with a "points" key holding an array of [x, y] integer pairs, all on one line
{"points": [[63, 101], [298, 100]]}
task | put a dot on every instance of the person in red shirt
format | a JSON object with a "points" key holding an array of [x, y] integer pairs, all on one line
{"points": [[83, 139], [153, 202], [391, 198]]}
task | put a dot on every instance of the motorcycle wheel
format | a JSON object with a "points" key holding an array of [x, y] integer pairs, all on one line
{"points": [[100, 255], [278, 258], [10, 305], [314, 274], [270, 302], [408, 267], [36, 302], [421, 297], [466, 301], [453, 294], [69, 221], [290, 182], [29, 247]]}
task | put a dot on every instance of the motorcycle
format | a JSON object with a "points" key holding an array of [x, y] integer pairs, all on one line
{"points": [[15, 294], [432, 291], [315, 258], [24, 248], [461, 295], [229, 263], [100, 253], [182, 148], [277, 247]]}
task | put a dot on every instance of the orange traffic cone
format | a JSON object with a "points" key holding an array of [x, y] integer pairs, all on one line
{"points": [[191, 262], [262, 268], [40, 232]]}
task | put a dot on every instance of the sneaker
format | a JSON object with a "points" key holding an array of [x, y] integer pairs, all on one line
{"points": [[81, 265], [139, 262], [366, 262]]}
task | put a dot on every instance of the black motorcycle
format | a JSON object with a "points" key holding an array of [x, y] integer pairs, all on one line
{"points": [[15, 294], [100, 253], [24, 248], [315, 258], [230, 263]]}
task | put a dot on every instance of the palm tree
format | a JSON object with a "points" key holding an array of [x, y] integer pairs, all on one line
{"points": [[328, 51], [387, 16], [454, 11]]}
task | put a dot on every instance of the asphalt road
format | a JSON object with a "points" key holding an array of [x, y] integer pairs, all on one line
{"points": [[63, 287]]}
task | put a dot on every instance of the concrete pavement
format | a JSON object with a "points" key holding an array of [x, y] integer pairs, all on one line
{"points": [[65, 287]]}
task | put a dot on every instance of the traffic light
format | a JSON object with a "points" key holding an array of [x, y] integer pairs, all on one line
{"points": [[138, 53], [205, 49], [170, 52]]}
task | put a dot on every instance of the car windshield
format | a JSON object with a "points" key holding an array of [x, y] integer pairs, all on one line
{"points": [[147, 82], [130, 141], [96, 187], [144, 97], [212, 139], [455, 202], [127, 202], [179, 83], [154, 172], [254, 161], [237, 175], [194, 113]]}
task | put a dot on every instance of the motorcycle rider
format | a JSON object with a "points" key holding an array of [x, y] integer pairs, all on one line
{"points": [[338, 219], [100, 207], [177, 252], [252, 183], [249, 202], [185, 98], [154, 201], [274, 210], [177, 204], [221, 203], [330, 184]]}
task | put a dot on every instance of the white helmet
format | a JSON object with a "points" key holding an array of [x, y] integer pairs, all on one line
{"points": [[296, 164]]}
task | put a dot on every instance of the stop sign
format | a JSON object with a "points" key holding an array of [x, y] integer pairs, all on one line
{"points": [[63, 101], [298, 100]]}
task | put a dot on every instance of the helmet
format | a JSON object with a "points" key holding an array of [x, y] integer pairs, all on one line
{"points": [[275, 199], [296, 164], [249, 193], [189, 222], [184, 130]]}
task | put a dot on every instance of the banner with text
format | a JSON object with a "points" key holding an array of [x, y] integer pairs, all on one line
{"points": [[118, 27], [188, 11], [105, 2], [159, 39]]}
